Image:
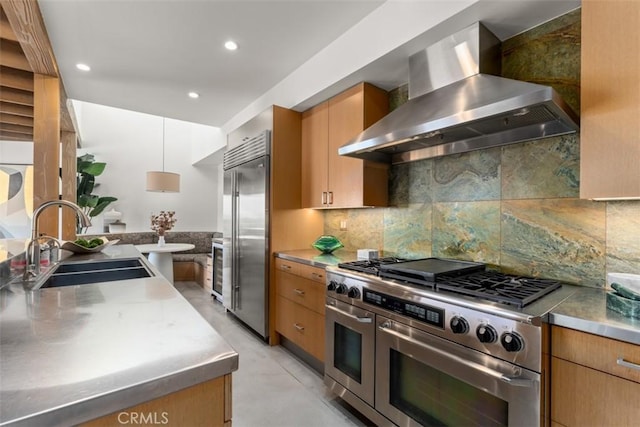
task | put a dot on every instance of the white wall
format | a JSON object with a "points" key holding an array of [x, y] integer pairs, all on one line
{"points": [[131, 144]]}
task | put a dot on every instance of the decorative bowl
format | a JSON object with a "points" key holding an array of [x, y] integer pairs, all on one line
{"points": [[78, 249], [327, 244]]}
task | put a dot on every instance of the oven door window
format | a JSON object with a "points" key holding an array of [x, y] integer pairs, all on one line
{"points": [[347, 352], [434, 398]]}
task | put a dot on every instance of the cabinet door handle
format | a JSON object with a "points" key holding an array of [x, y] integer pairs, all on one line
{"points": [[330, 197], [299, 292], [300, 328], [323, 201], [626, 364]]}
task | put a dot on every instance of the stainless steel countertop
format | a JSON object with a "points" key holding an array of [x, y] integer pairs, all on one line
{"points": [[72, 354], [586, 311], [314, 258]]}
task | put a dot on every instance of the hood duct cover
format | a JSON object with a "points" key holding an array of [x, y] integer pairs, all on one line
{"points": [[457, 104]]}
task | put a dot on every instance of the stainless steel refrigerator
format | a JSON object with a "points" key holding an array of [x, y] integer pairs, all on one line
{"points": [[245, 229]]}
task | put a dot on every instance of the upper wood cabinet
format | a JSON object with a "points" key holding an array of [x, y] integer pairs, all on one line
{"points": [[610, 100], [333, 181]]}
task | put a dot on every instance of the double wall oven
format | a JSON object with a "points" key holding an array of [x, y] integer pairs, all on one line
{"points": [[437, 342]]}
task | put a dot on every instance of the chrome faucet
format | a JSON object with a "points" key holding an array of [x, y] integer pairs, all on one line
{"points": [[32, 269]]}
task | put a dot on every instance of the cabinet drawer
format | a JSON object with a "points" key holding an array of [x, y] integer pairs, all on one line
{"points": [[583, 397], [313, 273], [596, 352], [300, 290], [288, 266], [302, 326]]}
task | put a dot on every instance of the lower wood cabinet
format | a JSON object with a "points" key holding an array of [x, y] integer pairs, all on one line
{"points": [[300, 305], [595, 381], [204, 404]]}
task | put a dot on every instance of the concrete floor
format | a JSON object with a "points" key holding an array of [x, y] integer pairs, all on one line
{"points": [[271, 387]]}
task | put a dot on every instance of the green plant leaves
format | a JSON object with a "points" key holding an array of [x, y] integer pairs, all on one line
{"points": [[87, 170]]}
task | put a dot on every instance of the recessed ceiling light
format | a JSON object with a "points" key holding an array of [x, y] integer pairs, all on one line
{"points": [[83, 67], [194, 95], [231, 45]]}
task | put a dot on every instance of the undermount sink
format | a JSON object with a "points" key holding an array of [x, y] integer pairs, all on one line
{"points": [[79, 273]]}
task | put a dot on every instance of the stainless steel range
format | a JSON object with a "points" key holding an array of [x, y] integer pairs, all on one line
{"points": [[437, 342]]}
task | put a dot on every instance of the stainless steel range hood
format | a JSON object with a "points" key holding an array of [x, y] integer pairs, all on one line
{"points": [[458, 103]]}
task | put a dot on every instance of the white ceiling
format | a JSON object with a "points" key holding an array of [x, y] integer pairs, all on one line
{"points": [[146, 55]]}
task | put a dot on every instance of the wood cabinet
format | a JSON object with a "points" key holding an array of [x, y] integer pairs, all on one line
{"points": [[595, 381], [300, 305], [610, 100], [333, 181], [204, 404]]}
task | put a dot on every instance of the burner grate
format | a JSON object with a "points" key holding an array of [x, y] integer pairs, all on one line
{"points": [[503, 288]]}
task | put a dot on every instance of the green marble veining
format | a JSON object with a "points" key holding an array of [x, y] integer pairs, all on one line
{"points": [[467, 230], [623, 237], [398, 96], [514, 206], [543, 169], [468, 176], [411, 183], [407, 231], [625, 306], [548, 54], [556, 238]]}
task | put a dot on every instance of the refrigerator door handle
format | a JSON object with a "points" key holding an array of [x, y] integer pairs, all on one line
{"points": [[235, 250]]}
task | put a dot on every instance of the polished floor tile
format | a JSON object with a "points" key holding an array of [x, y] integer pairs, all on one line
{"points": [[271, 387]]}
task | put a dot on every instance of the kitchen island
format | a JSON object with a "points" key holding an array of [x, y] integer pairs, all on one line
{"points": [[79, 353]]}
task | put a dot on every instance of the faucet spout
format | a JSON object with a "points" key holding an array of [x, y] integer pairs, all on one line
{"points": [[32, 268]]}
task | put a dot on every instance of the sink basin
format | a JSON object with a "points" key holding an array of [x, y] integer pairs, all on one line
{"points": [[69, 274], [73, 267]]}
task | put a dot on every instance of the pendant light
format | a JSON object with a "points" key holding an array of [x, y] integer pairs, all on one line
{"points": [[164, 182]]}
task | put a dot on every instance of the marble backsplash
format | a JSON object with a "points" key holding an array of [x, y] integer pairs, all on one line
{"points": [[516, 207]]}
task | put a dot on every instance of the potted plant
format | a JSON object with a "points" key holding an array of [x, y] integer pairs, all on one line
{"points": [[91, 204]]}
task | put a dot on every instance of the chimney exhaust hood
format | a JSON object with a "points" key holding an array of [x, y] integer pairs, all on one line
{"points": [[458, 103]]}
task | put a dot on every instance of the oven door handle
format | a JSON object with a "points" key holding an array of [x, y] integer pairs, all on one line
{"points": [[514, 381], [349, 315]]}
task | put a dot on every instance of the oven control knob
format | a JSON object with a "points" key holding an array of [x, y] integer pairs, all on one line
{"points": [[459, 325], [353, 292], [341, 288], [486, 333], [332, 285], [511, 341]]}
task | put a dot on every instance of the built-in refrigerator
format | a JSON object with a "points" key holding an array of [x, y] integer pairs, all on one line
{"points": [[245, 229]]}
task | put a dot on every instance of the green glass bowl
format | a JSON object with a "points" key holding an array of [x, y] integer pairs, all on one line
{"points": [[327, 244]]}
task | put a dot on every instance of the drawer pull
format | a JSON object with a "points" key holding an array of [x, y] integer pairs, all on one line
{"points": [[286, 267], [316, 276], [300, 328], [299, 292], [626, 364]]}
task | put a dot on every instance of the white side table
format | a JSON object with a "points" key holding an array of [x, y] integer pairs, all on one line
{"points": [[160, 256]]}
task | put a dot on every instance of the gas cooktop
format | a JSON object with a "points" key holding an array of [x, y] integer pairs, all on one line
{"points": [[461, 277]]}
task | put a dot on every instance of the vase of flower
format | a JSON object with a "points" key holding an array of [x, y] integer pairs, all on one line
{"points": [[162, 223]]}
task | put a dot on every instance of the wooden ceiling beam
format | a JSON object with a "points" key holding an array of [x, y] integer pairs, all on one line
{"points": [[13, 56], [16, 109], [25, 130], [16, 120], [27, 23], [16, 96], [6, 32], [17, 79]]}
